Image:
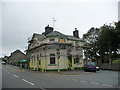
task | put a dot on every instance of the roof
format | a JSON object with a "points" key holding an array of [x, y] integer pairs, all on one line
{"points": [[17, 51], [73, 38], [55, 33], [39, 36]]}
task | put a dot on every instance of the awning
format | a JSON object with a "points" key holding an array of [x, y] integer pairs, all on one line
{"points": [[23, 61]]}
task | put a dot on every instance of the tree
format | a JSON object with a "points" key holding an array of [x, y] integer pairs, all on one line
{"points": [[91, 38], [117, 31], [103, 43]]}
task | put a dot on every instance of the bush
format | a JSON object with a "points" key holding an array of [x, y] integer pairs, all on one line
{"points": [[116, 61]]}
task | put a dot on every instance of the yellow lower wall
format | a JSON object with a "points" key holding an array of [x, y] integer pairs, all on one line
{"points": [[63, 64]]}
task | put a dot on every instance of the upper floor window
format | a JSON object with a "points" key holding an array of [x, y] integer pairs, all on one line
{"points": [[52, 39], [61, 40], [53, 46]]}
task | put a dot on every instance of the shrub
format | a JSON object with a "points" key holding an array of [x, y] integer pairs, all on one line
{"points": [[116, 61]]}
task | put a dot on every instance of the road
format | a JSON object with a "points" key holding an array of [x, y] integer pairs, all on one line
{"points": [[13, 77]]}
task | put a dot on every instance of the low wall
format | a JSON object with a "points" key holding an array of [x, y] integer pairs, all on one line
{"points": [[110, 66]]}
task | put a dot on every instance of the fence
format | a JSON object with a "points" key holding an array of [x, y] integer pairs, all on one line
{"points": [[110, 66]]}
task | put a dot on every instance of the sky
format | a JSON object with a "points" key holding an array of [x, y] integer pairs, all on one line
{"points": [[20, 19]]}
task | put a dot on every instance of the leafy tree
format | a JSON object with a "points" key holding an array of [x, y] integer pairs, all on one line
{"points": [[117, 31], [91, 38], [103, 43], [107, 42]]}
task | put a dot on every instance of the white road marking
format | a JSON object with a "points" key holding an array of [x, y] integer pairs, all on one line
{"points": [[8, 72], [28, 82], [83, 81], [94, 83], [110, 85], [97, 83], [15, 76], [104, 84], [42, 88]]}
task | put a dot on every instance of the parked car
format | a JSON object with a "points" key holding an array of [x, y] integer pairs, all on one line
{"points": [[90, 66], [4, 63], [97, 68]]}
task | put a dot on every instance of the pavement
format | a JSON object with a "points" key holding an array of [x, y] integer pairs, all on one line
{"points": [[13, 77]]}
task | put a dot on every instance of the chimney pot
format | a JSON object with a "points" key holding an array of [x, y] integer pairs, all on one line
{"points": [[48, 29], [76, 33]]}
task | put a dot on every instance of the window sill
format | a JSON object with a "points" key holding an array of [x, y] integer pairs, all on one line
{"points": [[77, 63], [52, 64]]}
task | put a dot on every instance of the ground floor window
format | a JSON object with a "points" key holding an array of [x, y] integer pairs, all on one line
{"points": [[39, 62], [52, 58], [32, 59], [76, 60], [37, 57]]}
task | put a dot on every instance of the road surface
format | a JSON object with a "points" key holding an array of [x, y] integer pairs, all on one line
{"points": [[13, 77]]}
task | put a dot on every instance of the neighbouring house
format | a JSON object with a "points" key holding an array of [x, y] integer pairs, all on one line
{"points": [[5, 59], [16, 56], [53, 50]]}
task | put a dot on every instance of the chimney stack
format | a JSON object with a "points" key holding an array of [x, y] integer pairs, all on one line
{"points": [[76, 33], [48, 30]]}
